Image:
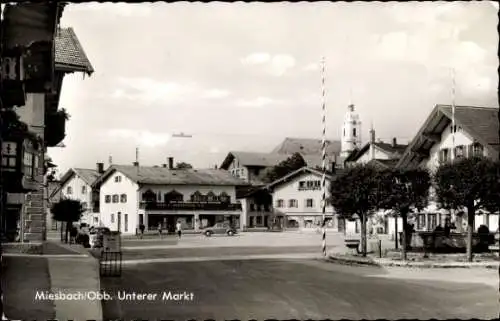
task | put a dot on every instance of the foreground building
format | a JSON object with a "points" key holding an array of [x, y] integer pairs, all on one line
{"points": [[476, 134], [42, 55], [131, 195]]}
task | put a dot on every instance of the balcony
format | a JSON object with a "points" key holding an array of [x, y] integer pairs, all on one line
{"points": [[190, 206], [55, 127]]}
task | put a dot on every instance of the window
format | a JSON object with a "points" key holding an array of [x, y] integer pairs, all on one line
{"points": [[224, 198], [28, 164], [354, 132], [432, 222], [309, 202], [84, 189], [421, 221], [259, 220], [123, 198], [174, 196], [107, 199], [211, 197], [149, 196], [477, 150], [292, 203], [125, 221], [9, 154], [118, 179], [252, 207], [112, 218], [444, 155], [279, 203], [115, 198], [317, 183], [196, 197], [344, 132], [302, 184], [459, 151], [69, 190]]}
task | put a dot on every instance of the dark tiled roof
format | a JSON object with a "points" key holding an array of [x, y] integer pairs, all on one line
{"points": [[70, 55], [259, 159], [387, 163], [165, 176], [306, 146], [398, 148], [481, 122], [88, 175]]}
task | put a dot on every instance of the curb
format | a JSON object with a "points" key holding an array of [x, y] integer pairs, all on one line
{"points": [[409, 264]]}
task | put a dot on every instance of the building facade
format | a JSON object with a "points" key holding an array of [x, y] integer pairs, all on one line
{"points": [[297, 197], [161, 196]]}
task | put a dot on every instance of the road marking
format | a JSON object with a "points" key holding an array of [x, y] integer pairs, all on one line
{"points": [[224, 258]]}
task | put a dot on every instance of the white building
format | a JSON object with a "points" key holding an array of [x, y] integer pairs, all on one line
{"points": [[476, 134], [351, 132], [76, 184], [297, 197], [131, 195]]}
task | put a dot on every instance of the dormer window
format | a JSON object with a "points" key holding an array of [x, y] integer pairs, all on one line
{"points": [[173, 196], [211, 197], [149, 196], [196, 197]]}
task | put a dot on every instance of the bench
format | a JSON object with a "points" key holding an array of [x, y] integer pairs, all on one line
{"points": [[352, 245]]}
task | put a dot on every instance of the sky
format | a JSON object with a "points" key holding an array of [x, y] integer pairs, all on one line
{"points": [[243, 76]]}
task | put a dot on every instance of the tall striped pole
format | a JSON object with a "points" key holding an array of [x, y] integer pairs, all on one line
{"points": [[453, 129], [323, 152]]}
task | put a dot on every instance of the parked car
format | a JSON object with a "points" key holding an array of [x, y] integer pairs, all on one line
{"points": [[220, 228], [97, 236]]}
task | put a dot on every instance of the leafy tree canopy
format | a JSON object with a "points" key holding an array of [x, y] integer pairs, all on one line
{"points": [[355, 191], [293, 163], [183, 165], [467, 183], [67, 210], [403, 189]]}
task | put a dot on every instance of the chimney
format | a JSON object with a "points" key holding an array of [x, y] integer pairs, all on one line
{"points": [[136, 164], [100, 168], [170, 163], [164, 165], [394, 142]]}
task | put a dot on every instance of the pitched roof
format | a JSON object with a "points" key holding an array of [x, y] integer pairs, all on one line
{"points": [[395, 151], [480, 122], [166, 176], [307, 146], [254, 159], [69, 53], [298, 172], [384, 163], [390, 148], [89, 176], [52, 188]]}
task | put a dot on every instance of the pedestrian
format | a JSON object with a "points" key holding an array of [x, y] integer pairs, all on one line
{"points": [[159, 230], [178, 228], [141, 230]]}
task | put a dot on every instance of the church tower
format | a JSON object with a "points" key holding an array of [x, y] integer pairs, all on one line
{"points": [[351, 132]]}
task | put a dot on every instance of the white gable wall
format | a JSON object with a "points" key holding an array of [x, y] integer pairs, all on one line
{"points": [[109, 211], [75, 184]]}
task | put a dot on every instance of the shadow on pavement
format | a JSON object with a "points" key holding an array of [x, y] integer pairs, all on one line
{"points": [[22, 278]]}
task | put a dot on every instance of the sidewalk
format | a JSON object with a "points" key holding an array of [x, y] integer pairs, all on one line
{"points": [[66, 269]]}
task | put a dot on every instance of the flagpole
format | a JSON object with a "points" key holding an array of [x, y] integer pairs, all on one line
{"points": [[323, 143]]}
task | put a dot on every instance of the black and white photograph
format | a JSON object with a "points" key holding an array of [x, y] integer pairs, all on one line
{"points": [[249, 160]]}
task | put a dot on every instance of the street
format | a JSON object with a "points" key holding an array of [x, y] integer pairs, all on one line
{"points": [[284, 288]]}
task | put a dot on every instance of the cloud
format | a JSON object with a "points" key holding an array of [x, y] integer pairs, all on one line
{"points": [[216, 93], [148, 90], [258, 102], [256, 58], [141, 137], [276, 65]]}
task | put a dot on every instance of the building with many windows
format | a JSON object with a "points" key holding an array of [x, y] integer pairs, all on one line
{"points": [[131, 195]]}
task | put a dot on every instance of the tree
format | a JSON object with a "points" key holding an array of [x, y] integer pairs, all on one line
{"points": [[404, 190], [183, 165], [467, 183], [355, 192], [68, 211], [293, 163]]}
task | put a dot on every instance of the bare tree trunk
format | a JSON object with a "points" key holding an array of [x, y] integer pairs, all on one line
{"points": [[470, 230], [363, 234], [404, 216], [396, 232]]}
